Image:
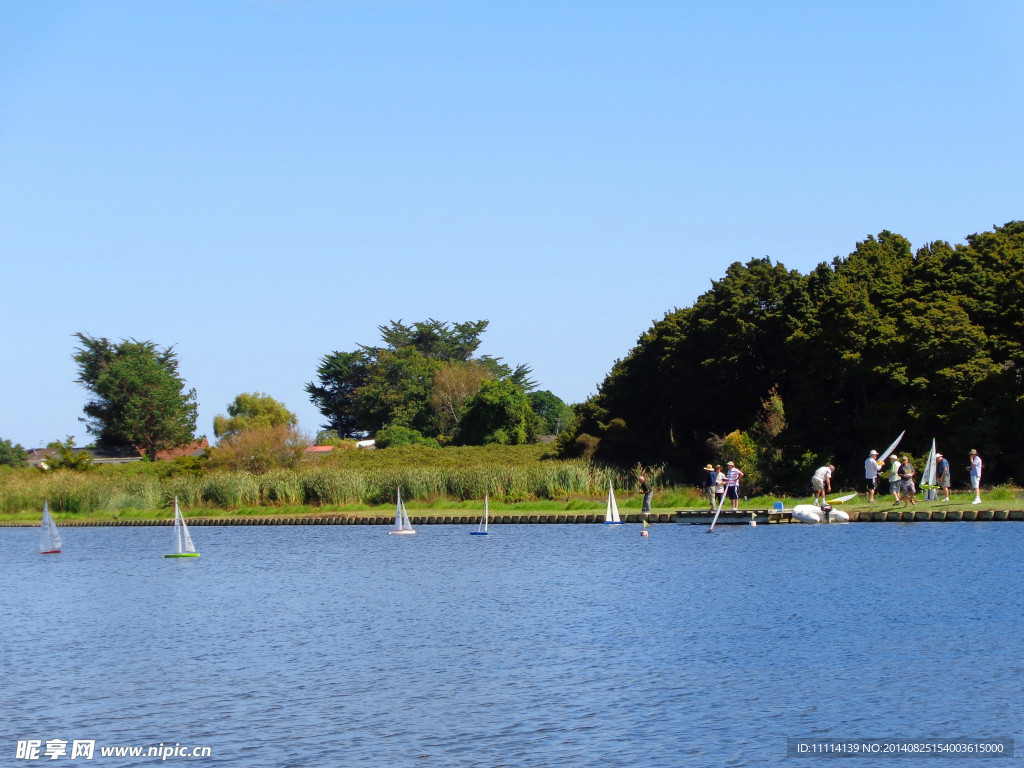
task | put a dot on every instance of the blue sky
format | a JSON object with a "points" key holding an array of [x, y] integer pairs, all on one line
{"points": [[259, 183]]}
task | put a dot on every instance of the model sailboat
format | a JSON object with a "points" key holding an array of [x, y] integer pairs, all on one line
{"points": [[402, 524], [49, 540], [928, 481], [611, 512], [481, 529], [183, 546]]}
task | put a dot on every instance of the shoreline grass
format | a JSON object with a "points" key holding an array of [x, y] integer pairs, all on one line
{"points": [[668, 502]]}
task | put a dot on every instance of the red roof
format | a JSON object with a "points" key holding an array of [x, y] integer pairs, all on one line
{"points": [[192, 449]]}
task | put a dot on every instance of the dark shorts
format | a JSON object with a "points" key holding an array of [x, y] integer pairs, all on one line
{"points": [[870, 483], [732, 492]]}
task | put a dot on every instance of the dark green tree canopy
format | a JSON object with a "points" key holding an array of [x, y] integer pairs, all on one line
{"points": [[422, 379], [859, 349], [138, 396], [498, 413], [12, 454]]}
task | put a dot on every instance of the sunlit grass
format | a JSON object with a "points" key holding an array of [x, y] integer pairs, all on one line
{"points": [[517, 480]]}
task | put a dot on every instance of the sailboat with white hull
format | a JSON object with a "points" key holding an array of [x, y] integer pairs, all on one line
{"points": [[402, 524], [49, 539]]}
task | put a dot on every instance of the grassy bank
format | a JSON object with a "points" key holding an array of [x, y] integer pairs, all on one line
{"points": [[354, 481], [518, 479]]}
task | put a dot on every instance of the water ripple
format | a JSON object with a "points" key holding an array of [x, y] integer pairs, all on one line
{"points": [[537, 646]]}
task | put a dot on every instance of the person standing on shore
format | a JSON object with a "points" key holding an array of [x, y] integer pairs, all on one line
{"points": [[942, 473], [976, 476], [871, 467], [710, 484], [719, 486], [732, 484], [894, 477], [907, 487], [645, 489], [821, 482]]}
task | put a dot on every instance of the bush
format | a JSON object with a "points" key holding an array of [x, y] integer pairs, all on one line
{"points": [[394, 435], [260, 450]]}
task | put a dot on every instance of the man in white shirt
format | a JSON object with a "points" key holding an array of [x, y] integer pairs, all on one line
{"points": [[976, 476], [822, 483], [871, 467]]}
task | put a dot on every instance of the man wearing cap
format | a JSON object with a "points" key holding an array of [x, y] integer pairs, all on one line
{"points": [[942, 473], [821, 482], [894, 477], [871, 467], [710, 483], [976, 476], [732, 484]]}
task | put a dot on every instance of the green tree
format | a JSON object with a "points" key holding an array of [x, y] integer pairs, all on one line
{"points": [[12, 454], [422, 379], [138, 395], [397, 391], [553, 413], [498, 413], [253, 411], [454, 384], [339, 377], [66, 457], [435, 340]]}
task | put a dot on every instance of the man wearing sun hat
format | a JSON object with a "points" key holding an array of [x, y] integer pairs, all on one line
{"points": [[871, 467], [894, 477], [976, 476], [710, 483]]}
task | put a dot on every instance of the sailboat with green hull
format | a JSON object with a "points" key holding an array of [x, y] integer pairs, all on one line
{"points": [[183, 546]]}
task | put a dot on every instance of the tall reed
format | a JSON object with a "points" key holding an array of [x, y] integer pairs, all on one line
{"points": [[506, 473]]}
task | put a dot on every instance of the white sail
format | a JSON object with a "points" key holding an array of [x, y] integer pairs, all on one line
{"points": [[611, 512], [402, 522], [183, 546], [888, 451], [486, 513], [49, 539], [186, 540], [928, 475]]}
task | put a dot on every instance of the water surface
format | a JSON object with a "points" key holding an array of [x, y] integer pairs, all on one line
{"points": [[538, 645]]}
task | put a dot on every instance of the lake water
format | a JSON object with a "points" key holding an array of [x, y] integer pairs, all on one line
{"points": [[540, 645]]}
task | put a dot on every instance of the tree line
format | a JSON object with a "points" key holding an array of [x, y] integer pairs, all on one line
{"points": [[423, 385], [776, 370], [782, 371]]}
